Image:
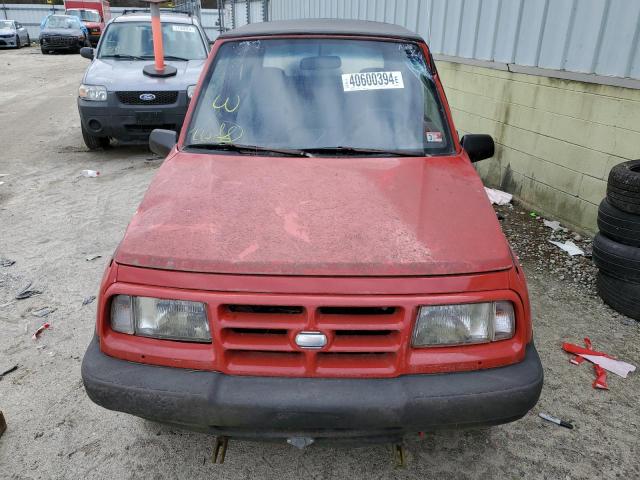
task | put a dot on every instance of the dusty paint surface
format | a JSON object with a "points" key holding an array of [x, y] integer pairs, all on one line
{"points": [[315, 216]]}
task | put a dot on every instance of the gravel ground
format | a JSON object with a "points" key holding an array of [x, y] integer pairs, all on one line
{"points": [[51, 219]]}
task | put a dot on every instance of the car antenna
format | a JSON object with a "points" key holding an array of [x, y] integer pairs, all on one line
{"points": [[158, 68]]}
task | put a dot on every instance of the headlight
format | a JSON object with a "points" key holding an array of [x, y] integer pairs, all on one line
{"points": [[159, 318], [464, 324], [94, 93], [191, 89]]}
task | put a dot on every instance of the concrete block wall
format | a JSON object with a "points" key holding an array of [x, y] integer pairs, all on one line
{"points": [[556, 139]]}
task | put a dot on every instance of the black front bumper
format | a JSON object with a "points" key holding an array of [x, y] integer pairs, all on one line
{"points": [[122, 121], [277, 407], [72, 44]]}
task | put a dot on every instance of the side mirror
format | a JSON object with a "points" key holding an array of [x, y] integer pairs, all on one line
{"points": [[478, 146], [162, 141], [86, 52]]}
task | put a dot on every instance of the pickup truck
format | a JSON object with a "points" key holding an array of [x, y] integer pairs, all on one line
{"points": [[317, 258]]}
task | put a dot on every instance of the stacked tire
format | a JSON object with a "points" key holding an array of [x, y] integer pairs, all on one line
{"points": [[616, 248]]}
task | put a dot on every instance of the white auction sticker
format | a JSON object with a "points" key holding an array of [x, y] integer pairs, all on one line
{"points": [[352, 82], [183, 28]]}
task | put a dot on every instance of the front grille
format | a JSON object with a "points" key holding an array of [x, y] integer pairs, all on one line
{"points": [[60, 41], [7, 36], [161, 97], [260, 339]]}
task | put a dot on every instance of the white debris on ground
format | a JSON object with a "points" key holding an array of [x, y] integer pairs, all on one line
{"points": [[553, 225], [569, 247], [530, 239], [618, 367], [498, 197]]}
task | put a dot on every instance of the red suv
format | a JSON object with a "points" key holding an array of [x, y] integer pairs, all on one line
{"points": [[316, 257]]}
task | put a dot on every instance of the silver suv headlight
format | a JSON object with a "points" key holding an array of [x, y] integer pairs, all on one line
{"points": [[94, 93], [191, 89], [160, 318], [464, 324]]}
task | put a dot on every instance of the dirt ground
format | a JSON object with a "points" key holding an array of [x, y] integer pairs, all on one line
{"points": [[52, 219]]}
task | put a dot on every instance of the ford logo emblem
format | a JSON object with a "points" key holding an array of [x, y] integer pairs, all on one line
{"points": [[147, 97]]}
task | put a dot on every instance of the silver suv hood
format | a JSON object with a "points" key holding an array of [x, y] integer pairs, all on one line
{"points": [[122, 75]]}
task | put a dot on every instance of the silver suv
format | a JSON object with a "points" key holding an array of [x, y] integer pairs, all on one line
{"points": [[117, 100]]}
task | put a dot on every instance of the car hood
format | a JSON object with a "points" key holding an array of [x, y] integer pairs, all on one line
{"points": [[70, 32], [6, 30], [127, 75], [316, 216]]}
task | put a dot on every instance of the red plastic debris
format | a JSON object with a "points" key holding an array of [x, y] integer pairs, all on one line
{"points": [[601, 378], [587, 350], [40, 329], [577, 360], [601, 374]]}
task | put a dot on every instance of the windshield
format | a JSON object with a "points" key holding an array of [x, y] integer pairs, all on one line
{"points": [[62, 22], [311, 94], [6, 24], [134, 39], [85, 15]]}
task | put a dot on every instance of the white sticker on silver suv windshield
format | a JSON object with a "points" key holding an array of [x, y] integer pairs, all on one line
{"points": [[183, 28], [352, 82]]}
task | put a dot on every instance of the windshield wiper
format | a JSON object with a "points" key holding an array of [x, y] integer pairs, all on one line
{"points": [[364, 151], [166, 57], [234, 147], [122, 56], [173, 57]]}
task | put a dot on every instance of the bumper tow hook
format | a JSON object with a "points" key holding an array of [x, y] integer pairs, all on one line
{"points": [[220, 450]]}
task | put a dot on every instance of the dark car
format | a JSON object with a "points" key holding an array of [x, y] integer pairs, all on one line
{"points": [[63, 32]]}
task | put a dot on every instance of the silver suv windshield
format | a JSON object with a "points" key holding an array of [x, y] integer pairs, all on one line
{"points": [[133, 40], [6, 24], [320, 96]]}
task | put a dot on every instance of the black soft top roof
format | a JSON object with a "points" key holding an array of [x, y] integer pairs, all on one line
{"points": [[323, 26]]}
